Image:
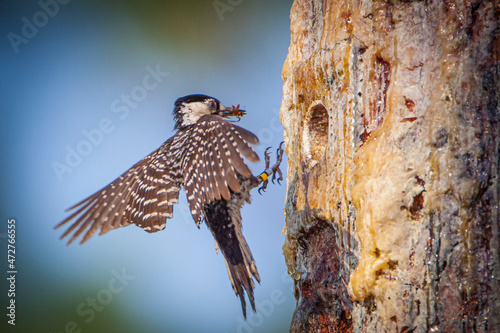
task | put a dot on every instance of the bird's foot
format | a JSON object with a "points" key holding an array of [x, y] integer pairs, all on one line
{"points": [[275, 169]]}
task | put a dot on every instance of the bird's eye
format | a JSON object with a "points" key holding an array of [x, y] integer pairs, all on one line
{"points": [[214, 105]]}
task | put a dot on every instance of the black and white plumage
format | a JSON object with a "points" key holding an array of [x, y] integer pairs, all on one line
{"points": [[206, 157]]}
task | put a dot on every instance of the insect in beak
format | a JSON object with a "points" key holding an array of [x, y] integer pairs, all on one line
{"points": [[233, 111]]}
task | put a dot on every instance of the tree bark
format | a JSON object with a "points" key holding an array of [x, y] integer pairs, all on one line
{"points": [[391, 112]]}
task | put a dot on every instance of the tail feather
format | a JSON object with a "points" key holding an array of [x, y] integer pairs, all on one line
{"points": [[247, 257], [240, 278], [225, 225]]}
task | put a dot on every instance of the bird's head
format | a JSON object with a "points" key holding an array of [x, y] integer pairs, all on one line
{"points": [[189, 109]]}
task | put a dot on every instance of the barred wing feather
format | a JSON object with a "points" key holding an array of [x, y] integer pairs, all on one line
{"points": [[144, 195], [212, 159]]}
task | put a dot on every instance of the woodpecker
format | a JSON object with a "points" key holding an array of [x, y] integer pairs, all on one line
{"points": [[205, 156]]}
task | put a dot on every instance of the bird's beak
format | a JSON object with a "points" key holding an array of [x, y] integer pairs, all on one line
{"points": [[233, 111]]}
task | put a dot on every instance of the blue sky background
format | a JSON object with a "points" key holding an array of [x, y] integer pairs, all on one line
{"points": [[62, 82]]}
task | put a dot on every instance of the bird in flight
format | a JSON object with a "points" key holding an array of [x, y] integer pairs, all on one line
{"points": [[206, 157]]}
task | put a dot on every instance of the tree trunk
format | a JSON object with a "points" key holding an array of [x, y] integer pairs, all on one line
{"points": [[392, 127]]}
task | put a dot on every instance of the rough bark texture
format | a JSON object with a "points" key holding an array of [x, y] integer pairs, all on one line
{"points": [[392, 128]]}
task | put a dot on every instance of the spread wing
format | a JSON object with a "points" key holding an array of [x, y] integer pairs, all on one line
{"points": [[212, 158], [144, 195]]}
